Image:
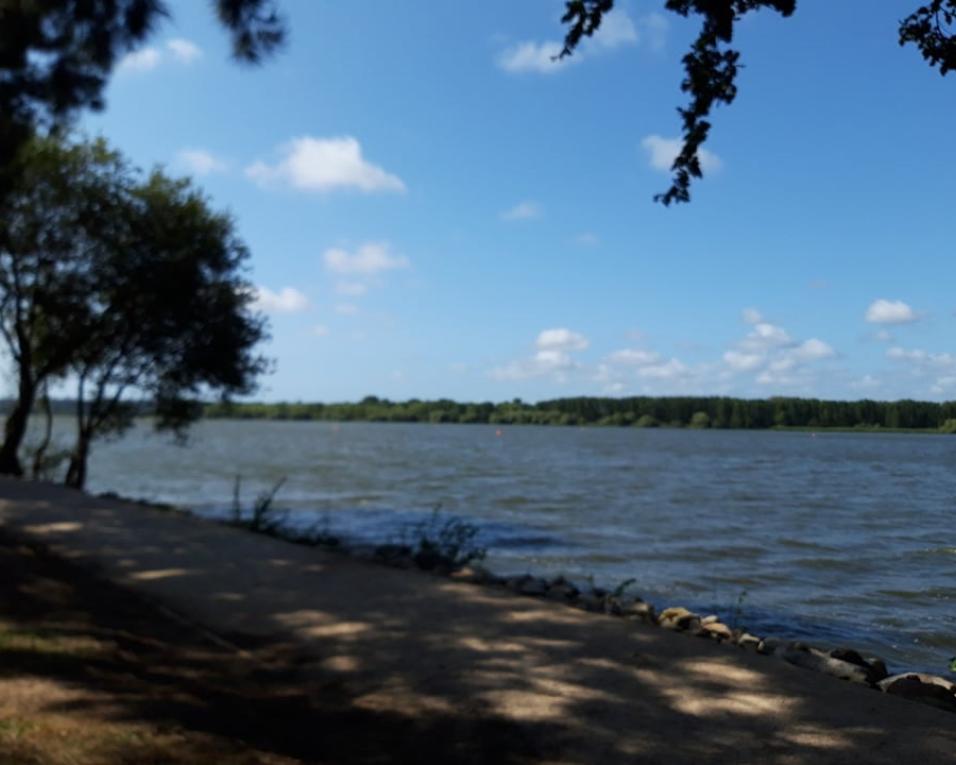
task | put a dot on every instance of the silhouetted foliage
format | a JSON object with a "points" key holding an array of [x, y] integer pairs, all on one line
{"points": [[711, 65], [932, 28], [128, 287], [63, 207], [56, 55]]}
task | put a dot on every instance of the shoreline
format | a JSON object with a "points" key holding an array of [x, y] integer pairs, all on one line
{"points": [[575, 686], [845, 663]]}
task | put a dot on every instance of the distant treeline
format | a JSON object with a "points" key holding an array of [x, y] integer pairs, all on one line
{"points": [[677, 411]]}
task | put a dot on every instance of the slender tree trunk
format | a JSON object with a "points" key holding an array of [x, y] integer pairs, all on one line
{"points": [[40, 454], [15, 428], [76, 473]]}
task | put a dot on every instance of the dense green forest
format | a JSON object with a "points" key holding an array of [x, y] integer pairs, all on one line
{"points": [[682, 411]]}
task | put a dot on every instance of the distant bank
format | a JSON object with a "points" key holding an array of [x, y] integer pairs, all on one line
{"points": [[641, 411]]}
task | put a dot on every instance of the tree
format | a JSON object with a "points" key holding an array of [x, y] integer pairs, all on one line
{"points": [[131, 288], [173, 319], [66, 204], [711, 65], [56, 55]]}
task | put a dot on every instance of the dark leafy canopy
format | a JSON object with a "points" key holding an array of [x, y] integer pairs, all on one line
{"points": [[170, 317], [711, 65], [56, 55], [65, 205], [123, 285]]}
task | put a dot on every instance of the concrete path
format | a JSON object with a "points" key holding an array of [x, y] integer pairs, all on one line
{"points": [[556, 684]]}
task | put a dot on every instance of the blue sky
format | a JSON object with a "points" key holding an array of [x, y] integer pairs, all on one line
{"points": [[436, 209]]}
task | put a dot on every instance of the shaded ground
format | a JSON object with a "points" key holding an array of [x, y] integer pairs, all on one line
{"points": [[315, 657], [92, 673]]}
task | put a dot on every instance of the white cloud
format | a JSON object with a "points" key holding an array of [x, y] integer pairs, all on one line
{"points": [[351, 289], [617, 30], [320, 330], [587, 239], [286, 300], [346, 309], [654, 27], [770, 351], [633, 357], [200, 162], [765, 336], [812, 350], [368, 260], [148, 58], [142, 60], [667, 370], [526, 210], [890, 312], [325, 164], [544, 362], [540, 58], [917, 356], [939, 368], [743, 362], [561, 339], [662, 152], [183, 50], [884, 336], [552, 357], [865, 383]]}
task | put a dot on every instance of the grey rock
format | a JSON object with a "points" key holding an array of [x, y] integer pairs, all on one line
{"points": [[769, 646], [928, 689], [875, 668], [638, 609], [802, 655], [746, 640]]}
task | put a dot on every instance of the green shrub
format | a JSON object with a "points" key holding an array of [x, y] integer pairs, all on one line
{"points": [[445, 542]]}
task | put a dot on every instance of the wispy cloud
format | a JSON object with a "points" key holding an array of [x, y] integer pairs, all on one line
{"points": [[286, 300], [200, 162], [367, 260], [146, 59], [542, 57], [184, 50], [526, 210], [142, 60]]}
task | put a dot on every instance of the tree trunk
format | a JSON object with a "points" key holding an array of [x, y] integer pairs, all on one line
{"points": [[39, 456], [76, 473], [14, 430]]}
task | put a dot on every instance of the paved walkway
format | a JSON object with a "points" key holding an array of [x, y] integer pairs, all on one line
{"points": [[561, 685]]}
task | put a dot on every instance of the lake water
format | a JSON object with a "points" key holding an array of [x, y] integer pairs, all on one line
{"points": [[835, 538]]}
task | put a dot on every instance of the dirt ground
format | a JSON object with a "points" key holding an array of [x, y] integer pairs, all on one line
{"points": [[197, 643], [91, 674]]}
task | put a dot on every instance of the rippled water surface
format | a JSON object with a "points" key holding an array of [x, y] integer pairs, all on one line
{"points": [[839, 538]]}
